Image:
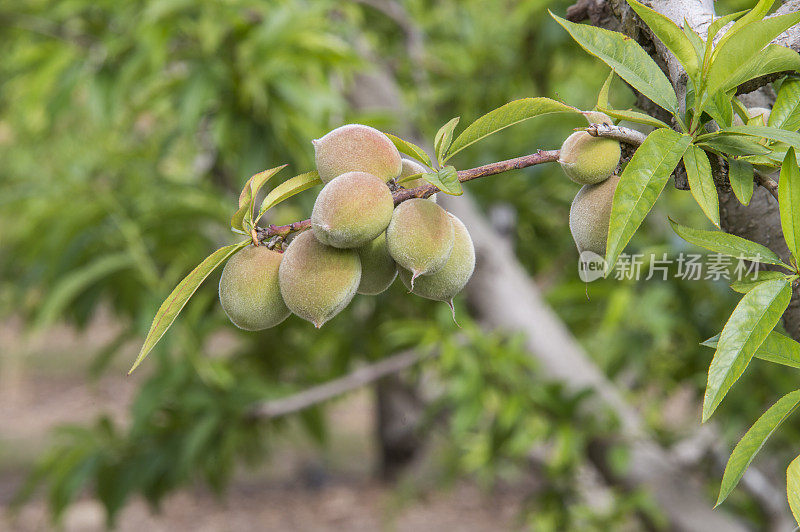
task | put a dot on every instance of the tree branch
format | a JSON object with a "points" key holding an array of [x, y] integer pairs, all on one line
{"points": [[424, 191], [331, 389], [622, 134]]}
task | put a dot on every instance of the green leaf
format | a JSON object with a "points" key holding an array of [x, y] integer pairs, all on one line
{"points": [[248, 195], [633, 116], [446, 180], [412, 150], [752, 320], [287, 189], [753, 440], [721, 109], [789, 202], [792, 138], [640, 185], [602, 96], [254, 184], [628, 60], [777, 348], [737, 51], [238, 218], [720, 23], [175, 302], [745, 285], [780, 349], [740, 109], [740, 174], [406, 179], [505, 116], [786, 111], [793, 488], [758, 12], [701, 182], [732, 245], [443, 139], [772, 59], [735, 145], [694, 38], [669, 34]]}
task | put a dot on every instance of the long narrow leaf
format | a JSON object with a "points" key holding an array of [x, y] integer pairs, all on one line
{"points": [[720, 23], [789, 202], [175, 302], [628, 60], [602, 96], [792, 138], [734, 145], [443, 139], [740, 174], [287, 189], [786, 111], [740, 48], [776, 348], [694, 38], [746, 284], [248, 195], [772, 59], [758, 12], [701, 182], [408, 148], [753, 440], [732, 245], [671, 35], [505, 116], [633, 116], [793, 488], [751, 321], [640, 186]]}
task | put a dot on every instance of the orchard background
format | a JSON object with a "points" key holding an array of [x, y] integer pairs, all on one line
{"points": [[127, 130]]}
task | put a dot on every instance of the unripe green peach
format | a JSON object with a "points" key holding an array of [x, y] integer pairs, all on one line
{"points": [[413, 167], [420, 237], [753, 112], [318, 281], [356, 148], [378, 268], [590, 214], [588, 160], [450, 280], [352, 210], [249, 291]]}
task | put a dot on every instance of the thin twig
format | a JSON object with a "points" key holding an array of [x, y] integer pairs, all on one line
{"points": [[768, 183], [427, 190], [622, 134], [331, 389]]}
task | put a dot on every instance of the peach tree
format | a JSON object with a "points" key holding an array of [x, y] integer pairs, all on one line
{"points": [[367, 223]]}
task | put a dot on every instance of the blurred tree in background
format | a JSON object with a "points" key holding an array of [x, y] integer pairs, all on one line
{"points": [[127, 128]]}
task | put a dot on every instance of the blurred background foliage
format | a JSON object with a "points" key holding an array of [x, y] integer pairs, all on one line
{"points": [[126, 131]]}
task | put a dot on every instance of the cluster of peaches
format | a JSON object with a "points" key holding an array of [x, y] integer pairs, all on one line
{"points": [[359, 241]]}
